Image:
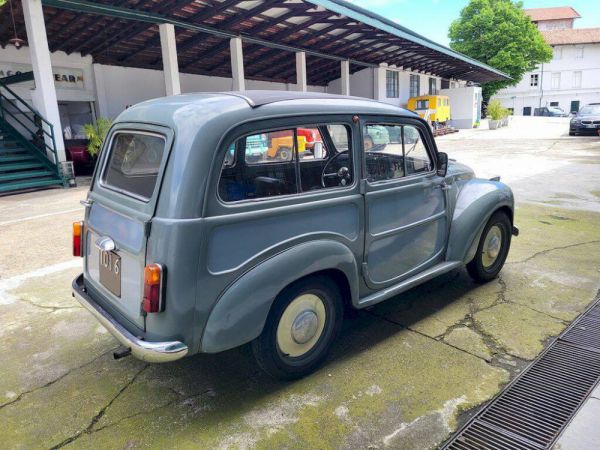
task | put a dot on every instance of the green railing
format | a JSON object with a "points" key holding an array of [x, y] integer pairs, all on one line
{"points": [[14, 111]]}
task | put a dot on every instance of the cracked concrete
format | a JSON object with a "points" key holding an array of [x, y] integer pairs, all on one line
{"points": [[404, 374]]}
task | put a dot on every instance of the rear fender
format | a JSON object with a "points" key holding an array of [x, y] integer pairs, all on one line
{"points": [[477, 200], [240, 314]]}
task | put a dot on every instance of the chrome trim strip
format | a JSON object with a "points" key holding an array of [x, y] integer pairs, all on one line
{"points": [[409, 226], [153, 352]]}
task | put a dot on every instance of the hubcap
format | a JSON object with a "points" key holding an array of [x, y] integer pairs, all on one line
{"points": [[301, 325], [491, 246]]}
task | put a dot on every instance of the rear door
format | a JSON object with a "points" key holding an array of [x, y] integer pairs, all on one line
{"points": [[405, 203], [122, 202]]}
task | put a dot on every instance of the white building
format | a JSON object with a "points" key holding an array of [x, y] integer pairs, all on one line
{"points": [[571, 79]]}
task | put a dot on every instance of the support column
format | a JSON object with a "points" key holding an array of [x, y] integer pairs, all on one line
{"points": [[301, 84], [168, 45], [237, 64], [379, 88], [345, 79], [44, 98]]}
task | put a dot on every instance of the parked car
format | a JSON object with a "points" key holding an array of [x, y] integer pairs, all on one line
{"points": [[191, 248], [550, 111], [587, 120]]}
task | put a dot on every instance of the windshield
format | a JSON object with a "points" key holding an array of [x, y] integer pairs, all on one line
{"points": [[590, 109]]}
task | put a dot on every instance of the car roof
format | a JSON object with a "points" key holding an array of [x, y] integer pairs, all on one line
{"points": [[263, 97]]}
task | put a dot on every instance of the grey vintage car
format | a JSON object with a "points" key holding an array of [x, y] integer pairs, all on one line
{"points": [[201, 235]]}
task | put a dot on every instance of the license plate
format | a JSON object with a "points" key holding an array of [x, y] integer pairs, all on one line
{"points": [[110, 272]]}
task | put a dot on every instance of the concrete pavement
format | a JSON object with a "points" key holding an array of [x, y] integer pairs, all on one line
{"points": [[403, 375]]}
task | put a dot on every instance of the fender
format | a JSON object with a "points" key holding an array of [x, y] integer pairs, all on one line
{"points": [[477, 200], [240, 313]]}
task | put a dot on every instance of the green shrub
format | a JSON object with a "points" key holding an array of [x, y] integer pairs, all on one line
{"points": [[96, 134], [495, 110]]}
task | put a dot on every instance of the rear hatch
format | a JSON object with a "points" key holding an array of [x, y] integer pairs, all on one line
{"points": [[122, 201]]}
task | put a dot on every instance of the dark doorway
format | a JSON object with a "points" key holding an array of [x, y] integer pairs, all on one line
{"points": [[527, 111], [574, 106]]}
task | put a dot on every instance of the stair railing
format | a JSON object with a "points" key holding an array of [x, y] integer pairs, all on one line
{"points": [[16, 110]]}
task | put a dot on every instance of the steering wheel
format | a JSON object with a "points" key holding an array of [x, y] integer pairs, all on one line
{"points": [[342, 174]]}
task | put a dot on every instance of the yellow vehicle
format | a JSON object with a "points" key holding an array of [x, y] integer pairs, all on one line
{"points": [[282, 147], [433, 108]]}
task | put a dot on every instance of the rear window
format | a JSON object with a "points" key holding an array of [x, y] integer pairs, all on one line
{"points": [[134, 162]]}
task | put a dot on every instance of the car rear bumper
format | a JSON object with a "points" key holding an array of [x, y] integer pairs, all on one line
{"points": [[154, 352]]}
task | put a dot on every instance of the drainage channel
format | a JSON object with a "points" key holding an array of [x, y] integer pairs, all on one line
{"points": [[534, 409]]}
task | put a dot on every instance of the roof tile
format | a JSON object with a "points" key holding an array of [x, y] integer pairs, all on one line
{"points": [[557, 13]]}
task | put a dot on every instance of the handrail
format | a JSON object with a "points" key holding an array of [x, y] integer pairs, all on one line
{"points": [[36, 128]]}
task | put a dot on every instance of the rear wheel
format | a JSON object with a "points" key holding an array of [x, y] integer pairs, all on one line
{"points": [[302, 324], [492, 249]]}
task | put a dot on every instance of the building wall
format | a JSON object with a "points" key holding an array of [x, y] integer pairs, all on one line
{"points": [[565, 63], [560, 24]]}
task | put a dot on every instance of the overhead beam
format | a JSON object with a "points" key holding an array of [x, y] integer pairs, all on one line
{"points": [[144, 16]]}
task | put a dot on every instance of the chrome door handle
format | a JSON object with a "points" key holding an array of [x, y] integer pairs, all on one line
{"points": [[86, 203], [443, 186], [105, 244]]}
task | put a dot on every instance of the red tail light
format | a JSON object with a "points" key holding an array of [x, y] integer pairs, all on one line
{"points": [[77, 233], [153, 279]]}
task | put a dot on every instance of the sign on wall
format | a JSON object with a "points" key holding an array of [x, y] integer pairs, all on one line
{"points": [[64, 78]]}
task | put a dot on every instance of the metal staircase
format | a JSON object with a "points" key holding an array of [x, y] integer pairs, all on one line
{"points": [[28, 156]]}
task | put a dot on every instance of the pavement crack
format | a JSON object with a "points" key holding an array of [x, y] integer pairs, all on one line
{"points": [[544, 252], [563, 321], [50, 383], [102, 411], [49, 308]]}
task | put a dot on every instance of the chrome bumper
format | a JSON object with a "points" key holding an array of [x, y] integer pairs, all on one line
{"points": [[154, 352]]}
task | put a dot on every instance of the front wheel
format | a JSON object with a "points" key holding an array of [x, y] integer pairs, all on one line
{"points": [[492, 249], [300, 329]]}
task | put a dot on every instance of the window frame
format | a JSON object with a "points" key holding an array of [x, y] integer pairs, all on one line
{"points": [[577, 75], [412, 77], [534, 80], [237, 134], [555, 76], [392, 76], [426, 139], [109, 153]]}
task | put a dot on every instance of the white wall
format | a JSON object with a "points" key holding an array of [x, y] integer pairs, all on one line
{"points": [[10, 55], [565, 63]]}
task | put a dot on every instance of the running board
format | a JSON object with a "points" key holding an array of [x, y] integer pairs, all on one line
{"points": [[409, 283]]}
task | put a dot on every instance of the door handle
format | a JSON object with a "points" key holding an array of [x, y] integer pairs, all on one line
{"points": [[86, 203], [443, 186]]}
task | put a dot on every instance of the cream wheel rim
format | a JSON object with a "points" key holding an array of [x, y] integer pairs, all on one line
{"points": [[491, 247], [301, 325]]}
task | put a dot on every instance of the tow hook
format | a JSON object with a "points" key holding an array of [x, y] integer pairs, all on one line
{"points": [[122, 353], [515, 231]]}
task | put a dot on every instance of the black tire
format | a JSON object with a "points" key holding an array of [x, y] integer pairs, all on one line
{"points": [[572, 133], [266, 349], [476, 268]]}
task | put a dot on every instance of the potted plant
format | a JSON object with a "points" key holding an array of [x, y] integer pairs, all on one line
{"points": [[96, 135], [495, 111]]}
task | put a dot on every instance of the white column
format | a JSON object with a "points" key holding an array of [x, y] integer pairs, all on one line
{"points": [[379, 88], [237, 64], [345, 66], [301, 84], [44, 98], [168, 45]]}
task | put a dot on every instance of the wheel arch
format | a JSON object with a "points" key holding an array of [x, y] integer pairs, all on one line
{"points": [[478, 200], [239, 317]]}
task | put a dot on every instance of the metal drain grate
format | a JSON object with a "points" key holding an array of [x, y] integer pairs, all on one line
{"points": [[533, 410]]}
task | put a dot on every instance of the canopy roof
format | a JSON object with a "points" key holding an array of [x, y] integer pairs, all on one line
{"points": [[125, 33]]}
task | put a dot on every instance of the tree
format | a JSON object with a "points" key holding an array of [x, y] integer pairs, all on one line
{"points": [[500, 34]]}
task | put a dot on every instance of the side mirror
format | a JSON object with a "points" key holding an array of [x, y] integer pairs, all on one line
{"points": [[442, 164]]}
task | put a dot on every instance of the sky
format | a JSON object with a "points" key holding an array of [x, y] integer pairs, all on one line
{"points": [[432, 18]]}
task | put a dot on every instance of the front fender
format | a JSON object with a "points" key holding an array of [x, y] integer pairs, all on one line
{"points": [[477, 200], [240, 313]]}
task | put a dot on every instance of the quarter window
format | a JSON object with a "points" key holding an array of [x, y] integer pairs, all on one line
{"points": [[394, 151], [272, 163]]}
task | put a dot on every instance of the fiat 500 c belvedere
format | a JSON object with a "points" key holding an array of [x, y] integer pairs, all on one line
{"points": [[215, 220]]}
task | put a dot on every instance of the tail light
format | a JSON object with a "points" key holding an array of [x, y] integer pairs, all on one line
{"points": [[153, 280], [77, 233]]}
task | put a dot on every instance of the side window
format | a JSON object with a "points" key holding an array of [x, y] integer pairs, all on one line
{"points": [[282, 162], [394, 151], [415, 153], [383, 152]]}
